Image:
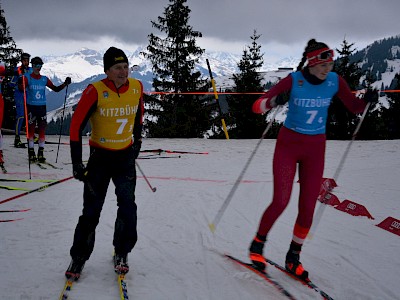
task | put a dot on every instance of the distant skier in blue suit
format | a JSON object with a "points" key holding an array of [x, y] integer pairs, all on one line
{"points": [[22, 70], [36, 84]]}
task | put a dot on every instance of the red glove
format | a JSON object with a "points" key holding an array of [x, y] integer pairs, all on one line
{"points": [[261, 105]]}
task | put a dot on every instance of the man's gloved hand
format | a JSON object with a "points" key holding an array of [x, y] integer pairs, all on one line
{"points": [[79, 171], [67, 81], [371, 96], [136, 148]]}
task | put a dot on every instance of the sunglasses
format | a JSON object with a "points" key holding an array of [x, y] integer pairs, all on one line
{"points": [[38, 66], [326, 55]]}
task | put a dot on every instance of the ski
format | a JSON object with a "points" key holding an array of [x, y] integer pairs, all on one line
{"points": [[14, 210], [40, 165], [13, 188], [39, 189], [3, 168], [157, 157], [70, 163], [263, 275], [172, 151], [56, 143], [67, 288], [10, 220], [26, 180], [122, 287], [306, 282], [50, 165], [48, 142], [184, 152]]}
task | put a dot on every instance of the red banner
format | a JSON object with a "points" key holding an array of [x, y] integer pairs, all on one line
{"points": [[390, 224], [354, 209]]}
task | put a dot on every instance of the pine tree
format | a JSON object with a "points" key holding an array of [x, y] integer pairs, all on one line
{"points": [[173, 56], [373, 123], [243, 122], [391, 114], [341, 123], [9, 54]]}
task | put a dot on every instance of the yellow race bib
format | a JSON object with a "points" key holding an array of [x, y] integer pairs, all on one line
{"points": [[113, 121]]}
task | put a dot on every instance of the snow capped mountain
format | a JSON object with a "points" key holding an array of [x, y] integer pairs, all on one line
{"points": [[221, 63], [79, 66], [86, 63], [382, 58]]}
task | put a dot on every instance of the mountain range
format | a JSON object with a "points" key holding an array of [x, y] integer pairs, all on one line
{"points": [[381, 58], [86, 63]]}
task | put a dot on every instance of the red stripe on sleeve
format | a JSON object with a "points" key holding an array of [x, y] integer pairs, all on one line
{"points": [[82, 112]]}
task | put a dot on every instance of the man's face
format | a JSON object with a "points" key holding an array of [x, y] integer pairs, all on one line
{"points": [[118, 73], [25, 62]]}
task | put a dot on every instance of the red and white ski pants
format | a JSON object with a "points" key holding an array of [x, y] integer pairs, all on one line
{"points": [[308, 151]]}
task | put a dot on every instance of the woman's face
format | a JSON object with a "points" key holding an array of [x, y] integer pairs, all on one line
{"points": [[36, 68], [321, 70]]}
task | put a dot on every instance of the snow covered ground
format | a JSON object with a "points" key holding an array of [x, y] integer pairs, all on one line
{"points": [[177, 256]]}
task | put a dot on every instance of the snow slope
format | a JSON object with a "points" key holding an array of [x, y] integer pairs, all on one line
{"points": [[177, 257]]}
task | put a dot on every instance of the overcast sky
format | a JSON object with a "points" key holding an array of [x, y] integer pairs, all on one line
{"points": [[45, 27]]}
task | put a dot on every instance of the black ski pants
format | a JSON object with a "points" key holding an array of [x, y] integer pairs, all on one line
{"points": [[103, 166]]}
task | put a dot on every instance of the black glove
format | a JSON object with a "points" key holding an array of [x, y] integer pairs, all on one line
{"points": [[79, 171], [371, 96], [136, 148], [282, 98], [67, 81]]}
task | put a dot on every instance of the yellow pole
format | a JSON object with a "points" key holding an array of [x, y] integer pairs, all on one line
{"points": [[216, 99]]}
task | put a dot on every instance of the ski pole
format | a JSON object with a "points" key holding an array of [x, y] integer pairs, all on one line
{"points": [[62, 120], [228, 199], [153, 189], [321, 208], [26, 123]]}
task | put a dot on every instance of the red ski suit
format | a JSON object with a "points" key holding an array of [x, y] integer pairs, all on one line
{"points": [[308, 151]]}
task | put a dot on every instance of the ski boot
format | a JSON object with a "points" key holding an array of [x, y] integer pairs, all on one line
{"points": [[75, 268], [121, 263], [294, 266], [32, 155], [18, 143], [256, 252], [40, 156]]}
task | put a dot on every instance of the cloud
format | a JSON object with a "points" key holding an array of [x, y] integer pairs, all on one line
{"points": [[50, 26]]}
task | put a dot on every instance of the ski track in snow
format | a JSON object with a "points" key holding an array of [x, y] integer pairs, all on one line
{"points": [[177, 256]]}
